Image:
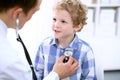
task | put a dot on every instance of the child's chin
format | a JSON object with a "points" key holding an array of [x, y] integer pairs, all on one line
{"points": [[57, 37]]}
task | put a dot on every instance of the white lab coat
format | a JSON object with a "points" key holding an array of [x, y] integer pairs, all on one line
{"points": [[12, 67]]}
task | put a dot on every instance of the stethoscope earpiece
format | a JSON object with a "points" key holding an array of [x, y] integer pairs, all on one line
{"points": [[17, 27]]}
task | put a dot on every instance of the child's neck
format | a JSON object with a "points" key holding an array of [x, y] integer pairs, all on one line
{"points": [[65, 42]]}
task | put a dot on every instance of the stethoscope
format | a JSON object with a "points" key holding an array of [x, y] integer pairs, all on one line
{"points": [[68, 52]]}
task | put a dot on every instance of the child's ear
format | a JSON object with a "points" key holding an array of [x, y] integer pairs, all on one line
{"points": [[78, 27]]}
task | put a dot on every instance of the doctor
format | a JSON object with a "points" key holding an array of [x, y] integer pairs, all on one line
{"points": [[11, 65]]}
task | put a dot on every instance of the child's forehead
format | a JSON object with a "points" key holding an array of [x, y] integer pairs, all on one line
{"points": [[63, 14], [62, 11]]}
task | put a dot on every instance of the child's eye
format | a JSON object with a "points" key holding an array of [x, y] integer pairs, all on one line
{"points": [[54, 19], [63, 21]]}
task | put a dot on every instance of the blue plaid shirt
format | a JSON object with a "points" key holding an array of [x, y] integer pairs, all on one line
{"points": [[49, 51]]}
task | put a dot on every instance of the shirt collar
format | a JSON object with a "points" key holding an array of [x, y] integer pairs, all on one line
{"points": [[3, 28], [74, 44], [55, 42]]}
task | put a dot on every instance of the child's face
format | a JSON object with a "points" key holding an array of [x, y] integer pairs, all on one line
{"points": [[62, 24]]}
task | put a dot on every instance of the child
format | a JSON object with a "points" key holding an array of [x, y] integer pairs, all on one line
{"points": [[69, 17]]}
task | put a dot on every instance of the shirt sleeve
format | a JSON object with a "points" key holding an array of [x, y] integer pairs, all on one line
{"points": [[52, 76], [88, 67]]}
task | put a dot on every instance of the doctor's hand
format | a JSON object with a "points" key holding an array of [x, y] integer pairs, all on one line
{"points": [[65, 69]]}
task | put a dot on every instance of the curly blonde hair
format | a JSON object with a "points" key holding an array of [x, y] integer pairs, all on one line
{"points": [[77, 10]]}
